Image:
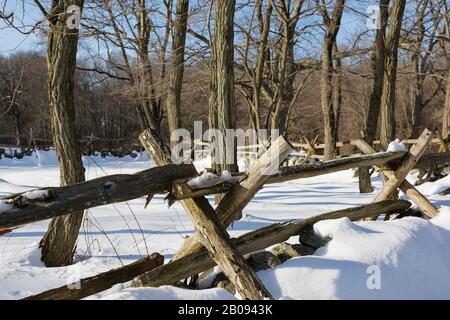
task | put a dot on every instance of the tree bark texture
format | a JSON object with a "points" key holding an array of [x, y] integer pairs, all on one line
{"points": [[326, 86], [173, 101], [371, 125], [222, 104], [387, 116], [58, 243]]}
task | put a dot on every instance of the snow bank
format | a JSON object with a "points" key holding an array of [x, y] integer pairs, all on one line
{"points": [[396, 146], [402, 259], [434, 188], [46, 158]]}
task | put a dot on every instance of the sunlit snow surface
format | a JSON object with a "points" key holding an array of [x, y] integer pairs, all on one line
{"points": [[412, 255]]}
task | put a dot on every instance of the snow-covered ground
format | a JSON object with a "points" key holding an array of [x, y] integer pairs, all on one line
{"points": [[408, 258]]}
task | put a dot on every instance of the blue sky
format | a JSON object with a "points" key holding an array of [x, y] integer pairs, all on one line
{"points": [[12, 40]]}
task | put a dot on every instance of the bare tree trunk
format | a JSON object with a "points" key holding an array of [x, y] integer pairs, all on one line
{"points": [[264, 30], [58, 244], [378, 74], [173, 102], [378, 56], [419, 60], [287, 78], [444, 39], [417, 99], [446, 116], [288, 13], [326, 86], [387, 126], [327, 104], [146, 85], [222, 104], [337, 91], [17, 127]]}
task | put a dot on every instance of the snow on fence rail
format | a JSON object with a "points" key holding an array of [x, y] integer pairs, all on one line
{"points": [[212, 238]]}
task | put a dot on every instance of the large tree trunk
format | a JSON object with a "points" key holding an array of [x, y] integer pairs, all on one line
{"points": [[58, 244], [287, 78], [387, 126], [264, 30], [288, 13], [327, 103], [173, 102], [417, 98], [365, 185], [446, 116], [222, 108], [418, 66], [326, 85], [17, 127], [337, 91]]}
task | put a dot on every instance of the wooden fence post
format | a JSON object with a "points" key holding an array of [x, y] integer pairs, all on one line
{"points": [[397, 179]]}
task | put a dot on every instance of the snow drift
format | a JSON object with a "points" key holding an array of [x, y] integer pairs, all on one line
{"points": [[409, 258]]}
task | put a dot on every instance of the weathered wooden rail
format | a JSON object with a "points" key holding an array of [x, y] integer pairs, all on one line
{"points": [[93, 193]]}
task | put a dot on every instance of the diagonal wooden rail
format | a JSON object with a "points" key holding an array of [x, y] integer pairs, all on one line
{"points": [[411, 192], [208, 223], [396, 178], [103, 281]]}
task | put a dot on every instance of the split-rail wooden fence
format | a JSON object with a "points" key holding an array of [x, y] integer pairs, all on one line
{"points": [[211, 244]]}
